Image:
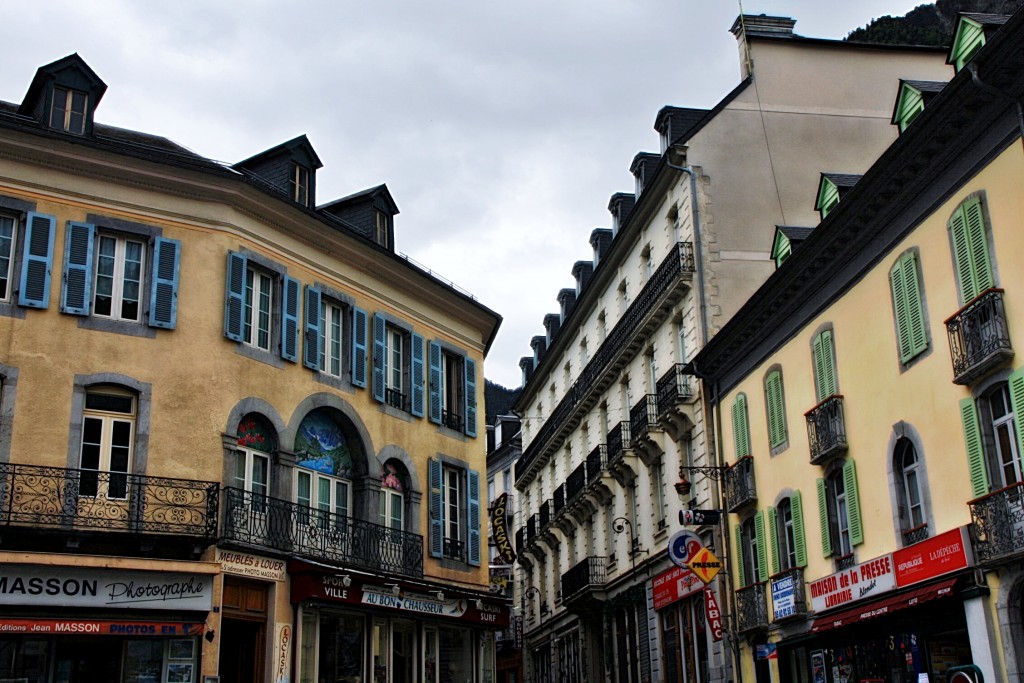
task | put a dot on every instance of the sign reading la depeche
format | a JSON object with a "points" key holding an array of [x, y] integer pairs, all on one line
{"points": [[25, 584]]}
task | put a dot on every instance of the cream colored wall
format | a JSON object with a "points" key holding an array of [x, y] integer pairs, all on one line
{"points": [[877, 392], [196, 373]]}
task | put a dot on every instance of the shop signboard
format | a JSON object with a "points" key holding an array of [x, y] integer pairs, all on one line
{"points": [[55, 586], [673, 585], [101, 627], [714, 614], [499, 529], [933, 557], [784, 596], [282, 653], [251, 566], [705, 565], [866, 580]]}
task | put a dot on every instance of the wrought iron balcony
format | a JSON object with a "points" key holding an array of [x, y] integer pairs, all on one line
{"points": [[545, 514], [915, 535], [74, 499], [751, 608], [451, 420], [740, 489], [795, 607], [673, 388], [559, 499], [256, 520], [979, 339], [394, 398], [453, 549], [826, 430], [998, 524], [576, 482], [596, 462], [584, 577], [845, 561], [643, 417], [649, 308], [618, 441]]}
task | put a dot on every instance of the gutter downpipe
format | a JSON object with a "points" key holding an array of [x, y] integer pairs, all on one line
{"points": [[716, 424]]}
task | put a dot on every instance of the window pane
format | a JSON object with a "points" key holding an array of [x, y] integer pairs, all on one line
{"points": [[6, 251], [260, 470], [110, 403], [335, 341], [131, 280], [60, 103], [303, 489], [263, 340], [250, 278], [92, 434], [241, 465], [106, 260], [324, 494]]}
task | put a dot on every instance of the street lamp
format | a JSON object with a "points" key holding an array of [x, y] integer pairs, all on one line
{"points": [[530, 592]]}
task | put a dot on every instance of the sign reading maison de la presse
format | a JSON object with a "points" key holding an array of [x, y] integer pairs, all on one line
{"points": [[97, 587]]}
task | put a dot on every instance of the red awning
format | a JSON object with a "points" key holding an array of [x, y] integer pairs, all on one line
{"points": [[884, 606]]}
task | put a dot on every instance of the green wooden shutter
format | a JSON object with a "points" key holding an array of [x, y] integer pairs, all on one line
{"points": [[418, 400], [290, 320], [762, 547], [741, 574], [436, 508], [78, 246], [970, 250], [797, 510], [37, 261], [740, 426], [434, 383], [776, 409], [773, 539], [826, 532], [474, 517], [163, 295], [359, 347], [906, 296], [853, 503], [824, 365], [470, 390], [975, 452], [1016, 386], [311, 340], [235, 295], [379, 357]]}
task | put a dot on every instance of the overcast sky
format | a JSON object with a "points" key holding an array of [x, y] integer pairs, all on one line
{"points": [[501, 129]]}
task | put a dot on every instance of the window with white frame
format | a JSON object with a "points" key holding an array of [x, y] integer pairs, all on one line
{"points": [[120, 264], [67, 112], [392, 497], [299, 184], [256, 309], [395, 369], [381, 228], [255, 444], [323, 499], [8, 238], [452, 499], [912, 511], [454, 512], [452, 397], [108, 435], [332, 317]]}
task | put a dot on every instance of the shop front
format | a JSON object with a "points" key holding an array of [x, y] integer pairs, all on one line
{"points": [[356, 628], [897, 618], [83, 624], [688, 615]]}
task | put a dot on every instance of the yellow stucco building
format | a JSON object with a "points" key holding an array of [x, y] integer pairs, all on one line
{"points": [[868, 403], [239, 435]]}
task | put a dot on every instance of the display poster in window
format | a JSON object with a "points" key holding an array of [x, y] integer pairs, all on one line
{"points": [[784, 596], [818, 667]]}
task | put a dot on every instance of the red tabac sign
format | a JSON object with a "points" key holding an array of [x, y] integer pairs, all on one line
{"points": [[674, 584], [714, 615], [932, 558]]}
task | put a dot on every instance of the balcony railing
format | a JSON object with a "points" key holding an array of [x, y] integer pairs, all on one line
{"points": [[826, 429], [796, 606], [673, 387], [453, 549], [394, 398], [845, 561], [740, 489], [915, 535], [643, 417], [576, 482], [979, 339], [678, 265], [284, 526], [618, 441], [751, 608], [597, 460], [451, 420], [998, 524], [73, 499], [590, 573], [559, 499]]}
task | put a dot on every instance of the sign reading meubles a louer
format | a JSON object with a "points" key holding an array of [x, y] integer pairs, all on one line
{"points": [[95, 587]]}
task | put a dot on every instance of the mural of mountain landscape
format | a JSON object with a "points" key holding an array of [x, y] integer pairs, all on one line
{"points": [[320, 445]]}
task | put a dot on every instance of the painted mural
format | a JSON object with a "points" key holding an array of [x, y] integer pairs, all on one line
{"points": [[320, 445], [256, 434], [389, 477]]}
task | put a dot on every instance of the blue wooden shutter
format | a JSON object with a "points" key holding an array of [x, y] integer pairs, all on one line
{"points": [[826, 528], [78, 243], [853, 503], [474, 518], [470, 369], [163, 295], [358, 347], [237, 264], [379, 356], [435, 382], [418, 399], [290, 320], [436, 509], [976, 467], [799, 540], [37, 260], [311, 340]]}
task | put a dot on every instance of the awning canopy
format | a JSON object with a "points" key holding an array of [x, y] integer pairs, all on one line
{"points": [[884, 606]]}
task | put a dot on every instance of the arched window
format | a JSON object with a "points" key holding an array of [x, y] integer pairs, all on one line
{"points": [[913, 516], [256, 441], [108, 438], [325, 466], [393, 480]]}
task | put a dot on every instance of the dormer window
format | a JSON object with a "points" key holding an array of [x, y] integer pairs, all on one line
{"points": [[68, 111], [300, 184], [831, 189], [912, 98], [381, 229]]}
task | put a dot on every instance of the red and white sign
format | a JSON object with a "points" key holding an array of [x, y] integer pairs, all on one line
{"points": [[932, 558], [672, 585], [862, 581], [101, 627], [714, 614]]}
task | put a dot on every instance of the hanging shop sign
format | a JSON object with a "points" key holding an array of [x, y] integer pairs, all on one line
{"points": [[251, 566], [699, 517], [683, 546], [100, 627], [705, 565], [517, 630], [673, 585], [499, 529], [933, 557], [57, 586], [713, 613], [282, 653]]}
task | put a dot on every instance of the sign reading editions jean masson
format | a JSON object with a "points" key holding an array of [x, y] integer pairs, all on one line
{"points": [[97, 587], [929, 559]]}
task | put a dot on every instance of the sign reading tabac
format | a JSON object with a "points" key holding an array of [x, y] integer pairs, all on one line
{"points": [[499, 529], [705, 565]]}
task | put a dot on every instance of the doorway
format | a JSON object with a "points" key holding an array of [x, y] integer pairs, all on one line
{"points": [[87, 661], [243, 631]]}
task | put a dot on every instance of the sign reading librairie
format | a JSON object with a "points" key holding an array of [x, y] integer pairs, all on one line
{"points": [[23, 584]]}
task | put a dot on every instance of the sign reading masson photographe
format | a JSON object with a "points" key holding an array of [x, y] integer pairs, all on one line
{"points": [[97, 587]]}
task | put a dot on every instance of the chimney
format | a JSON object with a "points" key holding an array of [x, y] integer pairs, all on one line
{"points": [[582, 270], [749, 26], [566, 299], [601, 241], [552, 323]]}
